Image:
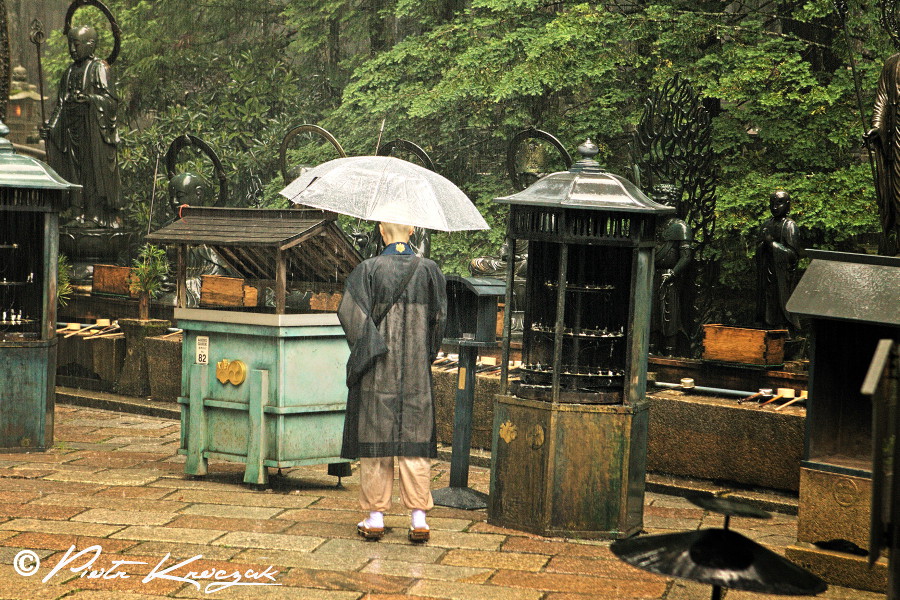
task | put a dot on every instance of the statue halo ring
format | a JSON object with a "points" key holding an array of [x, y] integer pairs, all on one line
{"points": [[113, 24], [294, 132], [187, 139], [512, 153]]}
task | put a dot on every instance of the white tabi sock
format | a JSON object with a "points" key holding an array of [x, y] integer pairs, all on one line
{"points": [[418, 519], [375, 520]]}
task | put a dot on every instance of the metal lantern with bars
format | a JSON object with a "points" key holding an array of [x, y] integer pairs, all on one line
{"points": [[569, 447], [31, 198]]}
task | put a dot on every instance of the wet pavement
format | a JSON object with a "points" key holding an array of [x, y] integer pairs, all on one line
{"points": [[108, 514]]}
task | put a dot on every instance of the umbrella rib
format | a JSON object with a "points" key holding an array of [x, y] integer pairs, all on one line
{"points": [[372, 203]]}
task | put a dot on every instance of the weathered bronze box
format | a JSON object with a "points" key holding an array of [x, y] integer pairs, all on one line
{"points": [[564, 469]]}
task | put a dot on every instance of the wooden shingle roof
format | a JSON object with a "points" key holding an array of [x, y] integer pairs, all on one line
{"points": [[250, 239]]}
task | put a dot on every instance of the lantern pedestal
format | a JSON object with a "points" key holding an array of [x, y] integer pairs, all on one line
{"points": [[28, 370], [573, 470]]}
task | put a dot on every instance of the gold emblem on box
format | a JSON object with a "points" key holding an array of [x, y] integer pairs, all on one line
{"points": [[536, 437], [231, 371], [508, 432]]}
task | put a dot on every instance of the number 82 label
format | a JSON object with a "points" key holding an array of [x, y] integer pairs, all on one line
{"points": [[202, 347]]}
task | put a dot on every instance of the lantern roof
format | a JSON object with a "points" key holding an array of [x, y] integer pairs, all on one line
{"points": [[586, 186], [20, 171]]}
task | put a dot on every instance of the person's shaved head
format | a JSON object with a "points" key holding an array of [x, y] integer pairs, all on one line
{"points": [[392, 232]]}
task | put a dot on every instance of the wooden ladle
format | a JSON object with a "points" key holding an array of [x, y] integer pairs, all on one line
{"points": [[802, 396], [762, 393], [786, 393]]}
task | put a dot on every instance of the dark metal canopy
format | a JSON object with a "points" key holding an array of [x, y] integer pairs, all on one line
{"points": [[26, 181], [250, 240], [850, 287], [586, 186], [480, 286]]}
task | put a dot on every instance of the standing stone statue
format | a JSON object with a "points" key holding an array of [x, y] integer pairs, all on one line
{"points": [[674, 251], [885, 137], [81, 133], [777, 255]]}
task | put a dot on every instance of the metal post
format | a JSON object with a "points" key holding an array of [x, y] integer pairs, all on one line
{"points": [[507, 313], [459, 495], [560, 318], [462, 417]]}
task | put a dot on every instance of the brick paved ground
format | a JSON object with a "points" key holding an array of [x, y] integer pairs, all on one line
{"points": [[114, 481]]}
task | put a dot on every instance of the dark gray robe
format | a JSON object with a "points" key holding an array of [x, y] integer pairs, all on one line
{"points": [[390, 410]]}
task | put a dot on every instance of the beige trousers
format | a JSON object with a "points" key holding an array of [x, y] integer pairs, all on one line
{"points": [[376, 482]]}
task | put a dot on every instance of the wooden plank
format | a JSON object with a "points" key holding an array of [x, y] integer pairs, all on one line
{"points": [[743, 345], [302, 237], [280, 283], [308, 267], [251, 296], [181, 277], [112, 279], [326, 302], [259, 232], [235, 262], [263, 260], [221, 291]]}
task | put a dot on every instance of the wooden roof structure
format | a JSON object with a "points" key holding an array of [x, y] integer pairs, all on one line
{"points": [[277, 245]]}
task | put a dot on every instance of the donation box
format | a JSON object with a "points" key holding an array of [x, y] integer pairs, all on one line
{"points": [[263, 382]]}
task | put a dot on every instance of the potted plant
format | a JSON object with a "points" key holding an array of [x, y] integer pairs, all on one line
{"points": [[148, 272]]}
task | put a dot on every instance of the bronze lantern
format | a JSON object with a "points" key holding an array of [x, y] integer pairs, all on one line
{"points": [[569, 439]]}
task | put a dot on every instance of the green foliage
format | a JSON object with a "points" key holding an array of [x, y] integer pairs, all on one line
{"points": [[64, 289], [149, 270], [461, 77]]}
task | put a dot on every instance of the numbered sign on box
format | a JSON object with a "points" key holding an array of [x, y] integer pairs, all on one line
{"points": [[202, 350]]}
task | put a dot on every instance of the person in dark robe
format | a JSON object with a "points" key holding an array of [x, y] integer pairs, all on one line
{"points": [[885, 137], [777, 255], [81, 135], [393, 312]]}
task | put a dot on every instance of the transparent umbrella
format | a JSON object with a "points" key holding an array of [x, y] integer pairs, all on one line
{"points": [[384, 188]]}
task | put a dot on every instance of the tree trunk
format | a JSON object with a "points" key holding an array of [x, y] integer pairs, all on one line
{"points": [[143, 304], [378, 27]]}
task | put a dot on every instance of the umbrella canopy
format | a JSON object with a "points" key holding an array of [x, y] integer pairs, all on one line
{"points": [[719, 557], [384, 188], [729, 507]]}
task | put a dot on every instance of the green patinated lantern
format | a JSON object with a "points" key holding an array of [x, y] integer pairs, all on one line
{"points": [[31, 198], [569, 443]]}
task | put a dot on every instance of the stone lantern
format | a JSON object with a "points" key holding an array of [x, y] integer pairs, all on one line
{"points": [[23, 114]]}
